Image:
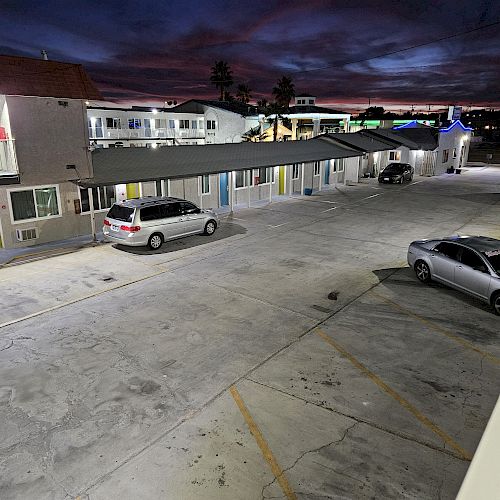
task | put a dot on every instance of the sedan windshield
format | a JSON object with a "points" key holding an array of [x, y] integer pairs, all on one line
{"points": [[119, 212], [494, 259]]}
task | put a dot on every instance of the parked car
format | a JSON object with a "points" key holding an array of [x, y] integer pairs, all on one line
{"points": [[470, 264], [153, 220], [396, 172]]}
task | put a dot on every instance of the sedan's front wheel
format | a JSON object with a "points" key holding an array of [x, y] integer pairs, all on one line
{"points": [[422, 271], [495, 302]]}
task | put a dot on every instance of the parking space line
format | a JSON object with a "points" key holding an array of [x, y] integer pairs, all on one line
{"points": [[464, 343], [264, 447], [279, 225], [329, 209], [398, 398], [79, 299]]}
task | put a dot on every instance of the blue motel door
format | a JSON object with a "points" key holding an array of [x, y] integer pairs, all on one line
{"points": [[224, 193], [327, 172]]}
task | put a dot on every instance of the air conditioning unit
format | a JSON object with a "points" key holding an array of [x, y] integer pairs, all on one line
{"points": [[27, 234]]}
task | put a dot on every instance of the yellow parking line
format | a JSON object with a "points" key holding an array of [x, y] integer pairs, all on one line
{"points": [[402, 401], [264, 447], [464, 343]]}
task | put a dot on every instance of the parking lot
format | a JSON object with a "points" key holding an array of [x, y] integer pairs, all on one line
{"points": [[291, 355]]}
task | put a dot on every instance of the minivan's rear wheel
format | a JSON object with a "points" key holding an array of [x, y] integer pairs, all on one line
{"points": [[495, 302], [422, 271], [210, 227], [155, 241]]}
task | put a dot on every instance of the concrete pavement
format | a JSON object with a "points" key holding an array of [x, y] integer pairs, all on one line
{"points": [[117, 364]]}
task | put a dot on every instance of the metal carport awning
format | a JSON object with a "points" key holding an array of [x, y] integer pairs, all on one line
{"points": [[127, 165]]}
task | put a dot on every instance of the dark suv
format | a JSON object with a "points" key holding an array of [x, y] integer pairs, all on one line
{"points": [[396, 173]]}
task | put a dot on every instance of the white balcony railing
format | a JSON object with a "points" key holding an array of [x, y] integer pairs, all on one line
{"points": [[146, 133], [8, 159]]}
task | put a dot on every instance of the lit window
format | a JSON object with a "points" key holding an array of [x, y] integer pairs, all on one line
{"points": [[395, 156], [104, 197], [242, 179], [194, 124], [36, 203], [205, 184], [171, 123], [266, 175], [134, 123], [160, 123]]}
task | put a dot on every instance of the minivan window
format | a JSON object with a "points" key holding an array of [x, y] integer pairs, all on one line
{"points": [[173, 209], [189, 208], [119, 212], [152, 213]]}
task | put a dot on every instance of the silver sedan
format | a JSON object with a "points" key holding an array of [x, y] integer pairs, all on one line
{"points": [[470, 264]]}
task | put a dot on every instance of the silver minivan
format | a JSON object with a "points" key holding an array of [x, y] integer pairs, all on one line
{"points": [[153, 220]]}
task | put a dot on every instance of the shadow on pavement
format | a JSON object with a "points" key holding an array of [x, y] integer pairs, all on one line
{"points": [[225, 230]]}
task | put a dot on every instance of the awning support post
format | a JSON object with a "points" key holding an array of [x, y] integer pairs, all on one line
{"points": [[248, 175], [290, 180], [92, 214], [302, 181], [231, 191], [272, 172]]}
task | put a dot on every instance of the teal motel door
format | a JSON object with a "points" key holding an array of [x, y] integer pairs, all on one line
{"points": [[223, 189]]}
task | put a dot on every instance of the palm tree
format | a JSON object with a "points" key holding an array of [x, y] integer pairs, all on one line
{"points": [[284, 92], [243, 94], [262, 104], [253, 135], [221, 77], [275, 109]]}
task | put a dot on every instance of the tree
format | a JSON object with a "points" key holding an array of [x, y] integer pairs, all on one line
{"points": [[253, 135], [284, 92], [262, 104], [274, 113], [221, 77], [243, 93]]}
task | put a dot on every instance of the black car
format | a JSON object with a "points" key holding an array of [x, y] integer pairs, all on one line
{"points": [[396, 172]]}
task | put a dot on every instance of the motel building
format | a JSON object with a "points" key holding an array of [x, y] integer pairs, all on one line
{"points": [[60, 173]]}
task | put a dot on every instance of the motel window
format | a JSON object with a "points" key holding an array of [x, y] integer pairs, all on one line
{"points": [[113, 123], [316, 168], [311, 101], [454, 153], [210, 124], [194, 124], [171, 123], [266, 175], [36, 203], [158, 188], [104, 197], [242, 179], [395, 156], [205, 184], [446, 154], [160, 123], [183, 123], [134, 123], [295, 171]]}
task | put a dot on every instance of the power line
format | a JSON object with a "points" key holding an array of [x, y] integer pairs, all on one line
{"points": [[400, 50]]}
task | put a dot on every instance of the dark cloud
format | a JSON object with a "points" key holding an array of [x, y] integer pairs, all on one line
{"points": [[153, 51]]}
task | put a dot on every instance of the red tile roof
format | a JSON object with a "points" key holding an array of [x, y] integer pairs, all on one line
{"points": [[37, 77]]}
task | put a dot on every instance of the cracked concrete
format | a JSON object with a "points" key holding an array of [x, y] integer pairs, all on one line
{"points": [[119, 389]]}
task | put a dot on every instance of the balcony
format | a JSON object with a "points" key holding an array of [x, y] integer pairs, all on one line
{"points": [[9, 171], [144, 133]]}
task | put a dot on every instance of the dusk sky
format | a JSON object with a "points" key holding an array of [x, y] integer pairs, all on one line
{"points": [[153, 51]]}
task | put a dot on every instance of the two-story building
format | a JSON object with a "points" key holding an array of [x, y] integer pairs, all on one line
{"points": [[44, 144]]}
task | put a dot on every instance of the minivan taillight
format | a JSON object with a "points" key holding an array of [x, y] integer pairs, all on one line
{"points": [[106, 222], [130, 229]]}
